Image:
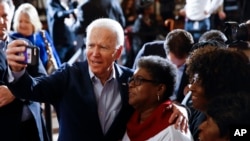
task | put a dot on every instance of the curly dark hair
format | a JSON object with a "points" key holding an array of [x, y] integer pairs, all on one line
{"points": [[219, 69], [229, 110]]}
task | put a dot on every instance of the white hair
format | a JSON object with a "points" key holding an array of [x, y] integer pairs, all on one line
{"points": [[32, 13], [109, 24]]}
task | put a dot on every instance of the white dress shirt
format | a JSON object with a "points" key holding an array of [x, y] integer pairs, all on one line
{"points": [[197, 10]]}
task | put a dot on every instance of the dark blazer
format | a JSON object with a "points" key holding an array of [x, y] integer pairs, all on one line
{"points": [[184, 82], [195, 119], [71, 92], [157, 48], [10, 115]]}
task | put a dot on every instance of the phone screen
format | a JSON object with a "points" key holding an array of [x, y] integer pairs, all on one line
{"points": [[31, 55]]}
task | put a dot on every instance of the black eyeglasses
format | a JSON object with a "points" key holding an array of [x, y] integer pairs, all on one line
{"points": [[137, 81]]}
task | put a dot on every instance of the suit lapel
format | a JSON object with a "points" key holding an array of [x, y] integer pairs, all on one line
{"points": [[88, 91]]}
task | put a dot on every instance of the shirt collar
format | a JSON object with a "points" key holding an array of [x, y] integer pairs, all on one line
{"points": [[181, 68], [93, 77]]}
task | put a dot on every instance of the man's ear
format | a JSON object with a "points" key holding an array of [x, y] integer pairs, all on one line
{"points": [[118, 52]]}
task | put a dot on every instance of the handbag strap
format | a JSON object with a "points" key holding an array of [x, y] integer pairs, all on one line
{"points": [[48, 49], [47, 44]]}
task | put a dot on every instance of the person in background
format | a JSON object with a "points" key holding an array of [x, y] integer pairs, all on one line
{"points": [[20, 120], [145, 28], [150, 89], [60, 16], [243, 10], [176, 48], [218, 18], [214, 70], [130, 14], [166, 9], [197, 15], [150, 48], [225, 114], [7, 12], [26, 24], [89, 10], [213, 34], [165, 14], [243, 46], [129, 11], [241, 43], [93, 93]]}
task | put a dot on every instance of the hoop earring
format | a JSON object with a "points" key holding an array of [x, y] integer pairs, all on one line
{"points": [[158, 97]]}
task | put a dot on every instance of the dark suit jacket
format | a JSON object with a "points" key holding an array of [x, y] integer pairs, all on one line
{"points": [[184, 82], [70, 90], [157, 48], [10, 115]]}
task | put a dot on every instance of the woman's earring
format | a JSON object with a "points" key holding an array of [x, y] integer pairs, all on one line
{"points": [[158, 97]]}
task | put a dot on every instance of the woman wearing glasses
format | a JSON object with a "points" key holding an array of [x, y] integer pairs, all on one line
{"points": [[149, 90]]}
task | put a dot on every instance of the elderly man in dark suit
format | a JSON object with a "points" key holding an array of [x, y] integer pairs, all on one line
{"points": [[90, 97]]}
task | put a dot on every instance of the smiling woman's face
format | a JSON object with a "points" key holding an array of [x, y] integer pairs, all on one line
{"points": [[198, 93], [25, 26]]}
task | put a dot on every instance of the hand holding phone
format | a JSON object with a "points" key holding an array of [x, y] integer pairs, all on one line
{"points": [[31, 55]]}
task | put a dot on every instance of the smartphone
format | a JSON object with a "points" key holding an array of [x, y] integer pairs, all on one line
{"points": [[31, 55]]}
